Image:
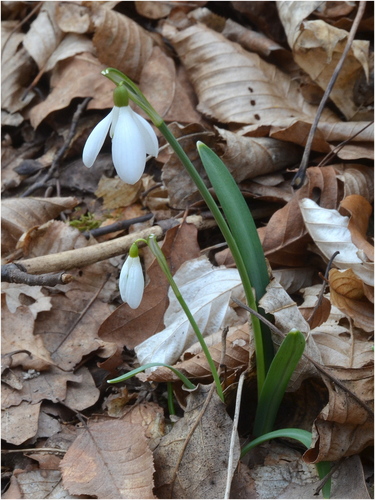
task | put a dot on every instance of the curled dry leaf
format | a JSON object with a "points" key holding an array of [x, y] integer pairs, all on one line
{"points": [[249, 157], [236, 86], [285, 236], [203, 468], [109, 459], [207, 291], [317, 47], [120, 42], [15, 429], [195, 365], [313, 313], [357, 179], [18, 215], [348, 295], [17, 67], [329, 231]]}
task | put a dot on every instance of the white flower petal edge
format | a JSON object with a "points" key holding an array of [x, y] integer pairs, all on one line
{"points": [[128, 147], [149, 136], [132, 282], [96, 140]]}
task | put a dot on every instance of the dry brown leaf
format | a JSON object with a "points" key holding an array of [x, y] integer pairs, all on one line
{"points": [[66, 86], [313, 313], [236, 86], [285, 236], [120, 42], [15, 297], [249, 157], [360, 212], [111, 459], [195, 365], [317, 47], [18, 334], [83, 393], [41, 484], [18, 215], [203, 470], [153, 10], [131, 327], [17, 68], [181, 189], [116, 193], [357, 179], [15, 428], [348, 295], [72, 17], [44, 35]]}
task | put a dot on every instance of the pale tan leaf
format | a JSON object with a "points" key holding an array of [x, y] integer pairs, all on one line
{"points": [[66, 86], [111, 459], [236, 86], [358, 179], [195, 365], [201, 473], [249, 157], [15, 429], [70, 45], [293, 280], [329, 231], [44, 35], [317, 47], [18, 215], [17, 70], [83, 393], [72, 17], [41, 484], [120, 42], [14, 295], [153, 10], [207, 292], [342, 131], [17, 334], [116, 193], [348, 295]]}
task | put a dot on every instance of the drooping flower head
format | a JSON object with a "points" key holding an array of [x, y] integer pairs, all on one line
{"points": [[132, 139], [132, 282]]}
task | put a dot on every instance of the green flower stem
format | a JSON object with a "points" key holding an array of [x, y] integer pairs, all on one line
{"points": [[164, 266], [171, 408], [258, 339]]}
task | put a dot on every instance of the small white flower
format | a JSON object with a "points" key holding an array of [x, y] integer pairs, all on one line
{"points": [[132, 282], [132, 138]]}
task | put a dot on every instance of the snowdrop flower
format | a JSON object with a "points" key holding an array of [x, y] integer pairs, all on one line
{"points": [[132, 282], [132, 138]]}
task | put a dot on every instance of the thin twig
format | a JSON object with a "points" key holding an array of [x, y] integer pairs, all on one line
{"points": [[60, 153], [117, 226], [298, 179], [234, 433], [15, 273], [317, 365], [35, 450]]}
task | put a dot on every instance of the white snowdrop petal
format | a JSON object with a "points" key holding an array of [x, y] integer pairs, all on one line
{"points": [[131, 282], [128, 148], [148, 134], [96, 140], [116, 111]]}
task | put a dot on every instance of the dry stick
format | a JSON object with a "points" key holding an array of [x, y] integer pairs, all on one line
{"points": [[234, 432], [36, 450], [317, 365], [298, 179], [81, 257], [14, 273], [60, 153]]}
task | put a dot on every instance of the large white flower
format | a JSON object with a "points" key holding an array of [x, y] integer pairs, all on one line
{"points": [[132, 139], [132, 282]]}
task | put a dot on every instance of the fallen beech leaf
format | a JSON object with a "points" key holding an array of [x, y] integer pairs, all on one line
{"points": [[18, 334], [116, 193], [358, 179], [15, 292], [44, 35], [317, 47], [285, 236], [72, 17], [15, 428], [329, 231], [83, 393], [202, 471], [207, 292], [360, 211], [195, 365], [111, 459], [236, 86], [249, 157], [41, 484], [18, 68], [314, 315], [120, 42], [348, 295], [18, 215]]}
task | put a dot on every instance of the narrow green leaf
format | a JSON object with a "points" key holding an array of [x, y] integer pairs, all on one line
{"points": [[282, 367]]}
